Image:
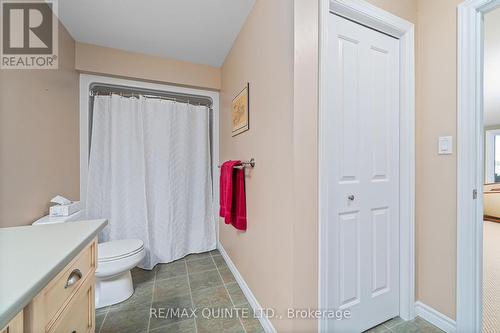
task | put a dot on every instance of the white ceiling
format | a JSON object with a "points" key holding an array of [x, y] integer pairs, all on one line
{"points": [[199, 31], [492, 68]]}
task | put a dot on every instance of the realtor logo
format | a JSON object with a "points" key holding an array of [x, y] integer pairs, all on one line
{"points": [[29, 34]]}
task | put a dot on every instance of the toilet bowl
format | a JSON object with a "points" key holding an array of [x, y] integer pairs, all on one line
{"points": [[115, 259]]}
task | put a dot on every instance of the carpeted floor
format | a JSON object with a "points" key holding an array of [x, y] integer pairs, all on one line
{"points": [[491, 277]]}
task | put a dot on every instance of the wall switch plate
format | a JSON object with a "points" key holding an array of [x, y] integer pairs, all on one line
{"points": [[445, 146]]}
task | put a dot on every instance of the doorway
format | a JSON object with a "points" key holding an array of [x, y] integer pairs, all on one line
{"points": [[472, 160], [491, 187], [366, 165]]}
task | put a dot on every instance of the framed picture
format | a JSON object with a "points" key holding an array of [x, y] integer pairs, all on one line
{"points": [[239, 112]]}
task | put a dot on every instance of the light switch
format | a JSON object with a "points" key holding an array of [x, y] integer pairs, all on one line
{"points": [[445, 145]]}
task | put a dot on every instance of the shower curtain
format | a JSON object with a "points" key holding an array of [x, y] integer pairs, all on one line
{"points": [[150, 176]]}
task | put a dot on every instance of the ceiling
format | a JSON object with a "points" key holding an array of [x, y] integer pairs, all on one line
{"points": [[198, 31], [492, 68]]}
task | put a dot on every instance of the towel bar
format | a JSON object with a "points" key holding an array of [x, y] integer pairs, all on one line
{"points": [[245, 163]]}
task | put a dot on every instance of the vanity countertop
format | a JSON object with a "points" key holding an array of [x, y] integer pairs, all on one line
{"points": [[31, 256]]}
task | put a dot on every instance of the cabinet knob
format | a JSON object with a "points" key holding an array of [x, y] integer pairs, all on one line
{"points": [[73, 278]]}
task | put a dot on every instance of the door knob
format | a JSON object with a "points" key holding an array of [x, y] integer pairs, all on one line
{"points": [[350, 197]]}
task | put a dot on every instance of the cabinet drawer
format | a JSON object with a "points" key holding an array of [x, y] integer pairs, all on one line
{"points": [[48, 305], [79, 314]]}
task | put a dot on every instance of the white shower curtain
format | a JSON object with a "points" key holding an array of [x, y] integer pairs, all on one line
{"points": [[149, 175]]}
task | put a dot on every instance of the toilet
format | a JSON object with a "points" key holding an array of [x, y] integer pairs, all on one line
{"points": [[113, 280], [115, 259]]}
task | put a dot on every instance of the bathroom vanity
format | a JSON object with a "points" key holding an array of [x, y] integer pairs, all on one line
{"points": [[47, 282]]}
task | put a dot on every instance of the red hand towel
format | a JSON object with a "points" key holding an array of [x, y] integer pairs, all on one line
{"points": [[226, 189], [239, 206]]}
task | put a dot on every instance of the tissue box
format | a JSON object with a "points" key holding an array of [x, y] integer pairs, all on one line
{"points": [[64, 210]]}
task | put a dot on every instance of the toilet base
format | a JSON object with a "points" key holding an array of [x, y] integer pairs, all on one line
{"points": [[113, 290]]}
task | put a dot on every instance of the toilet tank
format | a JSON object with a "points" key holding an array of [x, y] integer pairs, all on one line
{"points": [[60, 219]]}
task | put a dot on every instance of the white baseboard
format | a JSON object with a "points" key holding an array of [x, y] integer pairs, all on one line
{"points": [[264, 321], [435, 317]]}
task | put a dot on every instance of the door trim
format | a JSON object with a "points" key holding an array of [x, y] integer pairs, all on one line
{"points": [[470, 162], [378, 19]]}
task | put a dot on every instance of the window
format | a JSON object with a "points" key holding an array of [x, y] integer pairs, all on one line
{"points": [[497, 158], [492, 156]]}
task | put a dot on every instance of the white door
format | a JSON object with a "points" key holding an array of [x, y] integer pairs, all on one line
{"points": [[363, 175]]}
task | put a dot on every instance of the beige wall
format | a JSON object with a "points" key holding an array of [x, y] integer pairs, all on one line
{"points": [[114, 62], [39, 151], [435, 45], [406, 9], [39, 131], [263, 56], [269, 184], [305, 168], [276, 52], [436, 174]]}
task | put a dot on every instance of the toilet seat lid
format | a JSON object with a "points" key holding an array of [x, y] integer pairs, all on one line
{"points": [[118, 249]]}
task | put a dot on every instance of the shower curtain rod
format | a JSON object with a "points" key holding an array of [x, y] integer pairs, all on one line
{"points": [[129, 91], [180, 99]]}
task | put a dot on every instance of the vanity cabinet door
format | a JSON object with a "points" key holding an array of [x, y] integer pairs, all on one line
{"points": [[16, 325], [79, 315], [68, 281], [66, 301]]}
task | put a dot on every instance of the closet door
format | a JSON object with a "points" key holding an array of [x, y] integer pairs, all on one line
{"points": [[364, 175]]}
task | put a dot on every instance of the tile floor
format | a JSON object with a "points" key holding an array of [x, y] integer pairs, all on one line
{"points": [[199, 281], [195, 282], [398, 325]]}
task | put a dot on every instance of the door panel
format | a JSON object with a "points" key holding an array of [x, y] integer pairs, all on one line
{"points": [[379, 92], [363, 175], [349, 260], [348, 63], [380, 251]]}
